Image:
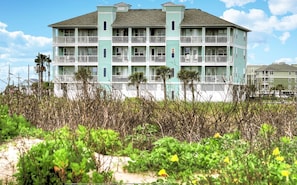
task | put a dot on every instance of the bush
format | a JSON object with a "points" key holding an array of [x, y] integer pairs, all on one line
{"points": [[11, 126], [65, 158]]}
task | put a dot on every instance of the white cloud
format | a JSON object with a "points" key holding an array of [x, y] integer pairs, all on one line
{"points": [[281, 7], [19, 50], [285, 60], [231, 3], [257, 20], [284, 37]]}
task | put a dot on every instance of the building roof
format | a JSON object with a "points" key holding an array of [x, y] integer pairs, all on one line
{"points": [[278, 67], [150, 18], [86, 20]]}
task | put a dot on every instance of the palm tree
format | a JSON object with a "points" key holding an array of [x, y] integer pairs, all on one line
{"points": [[183, 75], [40, 61], [136, 79], [193, 76], [164, 73], [83, 75]]}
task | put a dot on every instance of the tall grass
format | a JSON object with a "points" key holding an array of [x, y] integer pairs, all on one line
{"points": [[185, 121]]}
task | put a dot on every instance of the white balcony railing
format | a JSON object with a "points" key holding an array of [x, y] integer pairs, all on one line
{"points": [[71, 78], [191, 39], [157, 58], [191, 58], [138, 39], [87, 58], [216, 39], [120, 58], [137, 58], [120, 78], [215, 78], [157, 39], [64, 40], [71, 39], [120, 39], [215, 58], [65, 59], [87, 39]]}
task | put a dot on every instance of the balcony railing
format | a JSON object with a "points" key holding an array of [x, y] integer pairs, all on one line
{"points": [[216, 39], [157, 58], [120, 78], [87, 39], [215, 58], [64, 40], [216, 78], [119, 58], [65, 59], [157, 39], [191, 58], [191, 39], [138, 58], [120, 39], [155, 78], [138, 39], [87, 58], [71, 78]]}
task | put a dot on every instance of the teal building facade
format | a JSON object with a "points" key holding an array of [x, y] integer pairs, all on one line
{"points": [[116, 41]]}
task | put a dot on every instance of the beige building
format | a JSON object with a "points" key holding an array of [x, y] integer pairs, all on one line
{"points": [[273, 79]]}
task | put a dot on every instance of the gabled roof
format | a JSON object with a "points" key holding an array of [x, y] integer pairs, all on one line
{"points": [[197, 17], [140, 18], [86, 20], [278, 67], [149, 18]]}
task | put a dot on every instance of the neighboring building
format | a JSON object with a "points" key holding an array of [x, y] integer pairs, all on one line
{"points": [[269, 79], [116, 41]]}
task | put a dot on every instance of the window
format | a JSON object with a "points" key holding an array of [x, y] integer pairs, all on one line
{"points": [[172, 25], [104, 25], [104, 53], [104, 72]]}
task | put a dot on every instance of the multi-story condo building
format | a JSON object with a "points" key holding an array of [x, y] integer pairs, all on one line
{"points": [[116, 41], [275, 78]]}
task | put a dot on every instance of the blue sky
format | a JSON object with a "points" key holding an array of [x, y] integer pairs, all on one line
{"points": [[24, 30]]}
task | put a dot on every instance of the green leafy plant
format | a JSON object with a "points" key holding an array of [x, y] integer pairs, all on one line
{"points": [[66, 157]]}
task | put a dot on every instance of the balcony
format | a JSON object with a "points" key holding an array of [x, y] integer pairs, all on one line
{"points": [[65, 59], [120, 39], [138, 58], [216, 78], [216, 39], [190, 58], [88, 58], [138, 39], [216, 59], [119, 58], [120, 78], [71, 79], [191, 39], [64, 40], [155, 78], [68, 40], [87, 39], [157, 58], [157, 39]]}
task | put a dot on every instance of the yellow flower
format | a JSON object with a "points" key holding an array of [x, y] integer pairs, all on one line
{"points": [[276, 151], [280, 158], [162, 173], [235, 181], [174, 158], [217, 135], [227, 160], [285, 173], [194, 181]]}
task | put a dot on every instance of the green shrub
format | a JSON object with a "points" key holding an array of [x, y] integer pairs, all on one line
{"points": [[67, 157], [11, 126]]}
